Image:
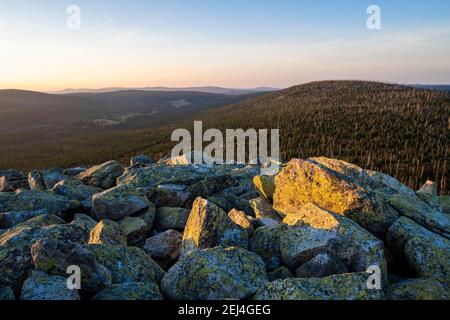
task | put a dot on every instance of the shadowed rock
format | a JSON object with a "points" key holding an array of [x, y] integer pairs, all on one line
{"points": [[15, 249], [280, 274], [33, 200], [169, 195], [74, 190], [322, 265], [13, 175], [151, 177], [427, 252], [266, 243], [135, 230], [71, 172], [368, 250], [171, 218], [418, 289], [11, 219], [54, 257], [102, 176], [85, 222], [164, 248], [351, 286], [45, 179], [141, 160], [108, 232], [119, 202], [133, 291], [41, 286], [41, 221], [445, 204], [6, 294], [300, 244], [127, 264]]}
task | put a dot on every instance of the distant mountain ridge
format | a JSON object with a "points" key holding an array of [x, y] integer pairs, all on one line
{"points": [[440, 87], [28, 110], [215, 89], [205, 89]]}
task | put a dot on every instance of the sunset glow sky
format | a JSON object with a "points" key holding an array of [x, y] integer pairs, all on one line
{"points": [[247, 43]]}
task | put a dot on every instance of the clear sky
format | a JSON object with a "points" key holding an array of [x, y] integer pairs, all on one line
{"points": [[232, 43]]}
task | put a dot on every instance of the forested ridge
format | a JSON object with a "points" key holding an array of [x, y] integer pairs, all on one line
{"points": [[398, 130], [402, 131]]}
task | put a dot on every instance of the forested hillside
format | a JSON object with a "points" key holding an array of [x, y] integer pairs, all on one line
{"points": [[399, 130]]}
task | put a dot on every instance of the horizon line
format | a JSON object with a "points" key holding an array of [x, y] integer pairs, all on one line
{"points": [[185, 88]]}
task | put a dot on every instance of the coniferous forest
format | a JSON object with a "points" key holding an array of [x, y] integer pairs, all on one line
{"points": [[398, 130]]}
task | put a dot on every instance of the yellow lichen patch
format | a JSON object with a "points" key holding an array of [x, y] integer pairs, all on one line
{"points": [[302, 182], [241, 219], [209, 226], [345, 168], [265, 185], [195, 222], [312, 216]]}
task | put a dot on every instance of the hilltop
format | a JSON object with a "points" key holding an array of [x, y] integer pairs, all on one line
{"points": [[399, 130], [320, 229]]}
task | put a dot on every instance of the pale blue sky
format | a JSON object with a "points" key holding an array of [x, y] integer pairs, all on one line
{"points": [[231, 43]]}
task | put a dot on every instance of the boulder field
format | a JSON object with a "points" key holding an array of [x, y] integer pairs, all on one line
{"points": [[319, 229]]}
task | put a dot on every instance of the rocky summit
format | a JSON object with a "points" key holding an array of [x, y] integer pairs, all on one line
{"points": [[320, 229]]}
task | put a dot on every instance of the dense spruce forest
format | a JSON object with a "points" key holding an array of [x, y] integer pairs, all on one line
{"points": [[402, 131], [398, 130]]}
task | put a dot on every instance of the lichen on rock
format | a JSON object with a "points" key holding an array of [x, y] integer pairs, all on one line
{"points": [[215, 274], [351, 286], [209, 226]]}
